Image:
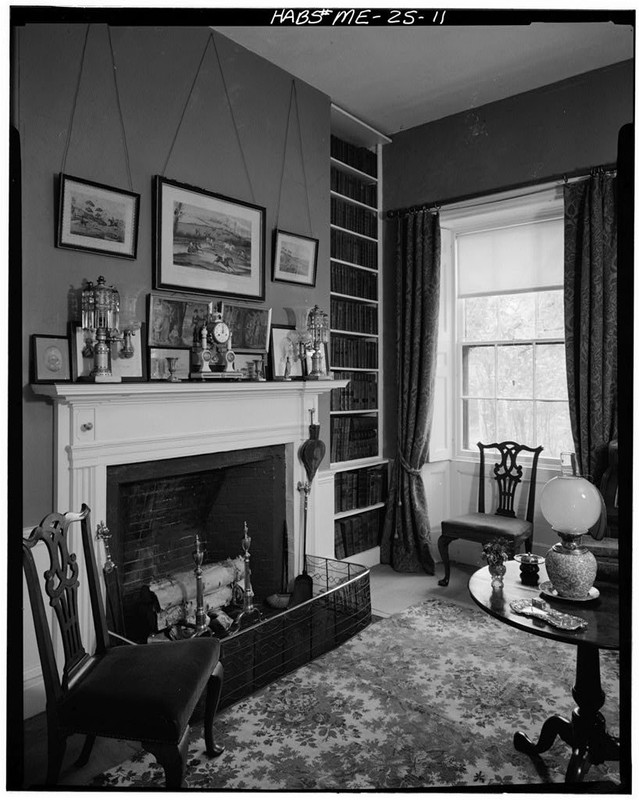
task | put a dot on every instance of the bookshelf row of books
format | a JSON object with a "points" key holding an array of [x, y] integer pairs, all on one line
{"points": [[353, 438], [359, 488], [358, 533], [359, 395], [353, 187], [361, 158], [347, 315], [347, 352], [353, 281], [347, 246], [355, 218]]}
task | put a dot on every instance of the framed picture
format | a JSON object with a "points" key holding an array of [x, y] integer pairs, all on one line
{"points": [[128, 369], [50, 359], [158, 365], [283, 347], [245, 363], [174, 319], [294, 258], [97, 218], [250, 327], [205, 242]]}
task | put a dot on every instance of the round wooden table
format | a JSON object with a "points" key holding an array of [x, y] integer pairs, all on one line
{"points": [[585, 732]]}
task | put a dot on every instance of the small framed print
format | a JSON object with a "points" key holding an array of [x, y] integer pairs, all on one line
{"points": [[250, 327], [97, 218], [159, 367], [51, 362], [128, 369], [294, 258], [174, 319], [284, 349], [249, 365]]}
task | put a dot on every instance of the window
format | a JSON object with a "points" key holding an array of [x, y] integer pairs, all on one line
{"points": [[510, 327]]}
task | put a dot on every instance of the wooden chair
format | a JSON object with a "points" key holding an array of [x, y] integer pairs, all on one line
{"points": [[482, 527], [144, 693]]}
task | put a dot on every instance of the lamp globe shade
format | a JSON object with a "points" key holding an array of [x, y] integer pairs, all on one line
{"points": [[571, 504]]}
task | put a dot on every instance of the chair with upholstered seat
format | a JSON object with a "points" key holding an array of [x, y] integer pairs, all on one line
{"points": [[144, 693], [503, 522]]}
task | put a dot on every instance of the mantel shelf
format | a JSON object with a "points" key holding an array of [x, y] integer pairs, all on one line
{"points": [[97, 392]]}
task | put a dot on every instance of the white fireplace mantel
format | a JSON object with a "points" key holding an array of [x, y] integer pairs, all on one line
{"points": [[97, 425]]}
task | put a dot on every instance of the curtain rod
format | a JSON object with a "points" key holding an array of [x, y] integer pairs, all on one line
{"points": [[564, 177]]}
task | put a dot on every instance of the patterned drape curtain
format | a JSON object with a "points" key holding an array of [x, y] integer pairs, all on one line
{"points": [[406, 535], [590, 309]]}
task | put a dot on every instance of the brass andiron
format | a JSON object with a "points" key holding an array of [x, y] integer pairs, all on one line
{"points": [[201, 618], [249, 613]]}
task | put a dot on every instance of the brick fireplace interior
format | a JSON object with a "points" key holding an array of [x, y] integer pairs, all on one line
{"points": [[156, 508]]}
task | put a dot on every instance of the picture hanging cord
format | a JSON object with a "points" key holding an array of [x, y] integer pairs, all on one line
{"points": [[118, 103], [293, 96], [228, 100]]}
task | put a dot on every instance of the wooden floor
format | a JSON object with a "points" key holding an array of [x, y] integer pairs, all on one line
{"points": [[391, 592]]}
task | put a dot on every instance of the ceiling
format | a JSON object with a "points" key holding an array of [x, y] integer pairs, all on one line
{"points": [[395, 78]]}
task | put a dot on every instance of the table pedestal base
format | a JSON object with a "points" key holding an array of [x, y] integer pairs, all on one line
{"points": [[586, 731]]}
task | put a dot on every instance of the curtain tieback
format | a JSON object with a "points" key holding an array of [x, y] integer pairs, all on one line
{"points": [[407, 467]]}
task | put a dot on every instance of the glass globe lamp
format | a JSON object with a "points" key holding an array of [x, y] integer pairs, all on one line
{"points": [[572, 505]]}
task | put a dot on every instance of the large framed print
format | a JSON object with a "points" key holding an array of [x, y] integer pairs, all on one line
{"points": [[97, 218], [175, 319], [250, 327], [294, 258], [205, 242]]}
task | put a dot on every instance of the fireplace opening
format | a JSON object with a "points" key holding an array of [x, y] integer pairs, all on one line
{"points": [[157, 508]]}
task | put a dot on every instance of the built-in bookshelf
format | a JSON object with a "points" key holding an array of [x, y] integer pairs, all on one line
{"points": [[360, 472]]}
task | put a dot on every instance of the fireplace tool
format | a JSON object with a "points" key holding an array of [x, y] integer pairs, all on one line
{"points": [[311, 454]]}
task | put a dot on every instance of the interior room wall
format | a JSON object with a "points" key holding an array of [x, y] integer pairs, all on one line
{"points": [[560, 128], [156, 68]]}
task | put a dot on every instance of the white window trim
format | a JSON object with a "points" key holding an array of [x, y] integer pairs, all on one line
{"points": [[507, 208]]}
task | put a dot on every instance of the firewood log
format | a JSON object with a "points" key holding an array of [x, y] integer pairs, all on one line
{"points": [[180, 588]]}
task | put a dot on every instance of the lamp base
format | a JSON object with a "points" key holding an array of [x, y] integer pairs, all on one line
{"points": [[572, 569], [106, 379]]}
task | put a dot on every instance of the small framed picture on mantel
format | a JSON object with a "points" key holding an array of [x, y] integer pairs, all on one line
{"points": [[294, 258]]}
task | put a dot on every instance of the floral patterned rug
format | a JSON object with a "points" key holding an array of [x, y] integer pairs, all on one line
{"points": [[426, 699]]}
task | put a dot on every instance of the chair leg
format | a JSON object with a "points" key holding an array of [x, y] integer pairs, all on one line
{"points": [[213, 692], [83, 758], [172, 759], [528, 544], [56, 748], [442, 546]]}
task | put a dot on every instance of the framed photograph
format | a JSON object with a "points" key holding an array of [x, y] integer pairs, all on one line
{"points": [[283, 347], [97, 218], [174, 319], [294, 258], [128, 369], [205, 242], [158, 365], [50, 359], [250, 327]]}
